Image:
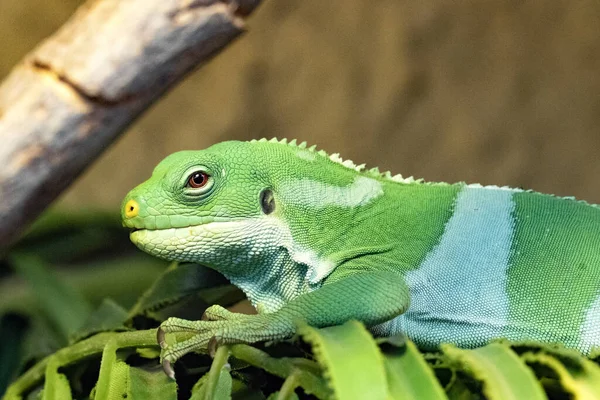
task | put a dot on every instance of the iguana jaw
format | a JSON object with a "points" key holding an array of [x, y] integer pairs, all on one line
{"points": [[210, 242], [174, 243], [238, 249], [248, 252]]}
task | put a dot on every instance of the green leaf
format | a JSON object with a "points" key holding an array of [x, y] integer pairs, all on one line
{"points": [[284, 367], [178, 282], [227, 387], [577, 375], [122, 279], [502, 373], [408, 374], [223, 388], [109, 316], [242, 391], [56, 385], [352, 363], [199, 388], [148, 352], [151, 384], [64, 236], [218, 383], [287, 391], [12, 329], [55, 222], [112, 380], [63, 305], [119, 380], [40, 340], [279, 396]]}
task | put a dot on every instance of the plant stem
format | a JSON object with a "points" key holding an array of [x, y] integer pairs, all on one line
{"points": [[80, 350], [219, 361], [288, 387]]}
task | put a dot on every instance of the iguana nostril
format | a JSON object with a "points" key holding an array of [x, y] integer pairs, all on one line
{"points": [[132, 209]]}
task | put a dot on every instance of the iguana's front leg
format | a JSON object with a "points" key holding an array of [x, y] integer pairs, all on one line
{"points": [[370, 297]]}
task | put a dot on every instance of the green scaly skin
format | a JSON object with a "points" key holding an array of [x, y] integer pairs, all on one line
{"points": [[310, 237]]}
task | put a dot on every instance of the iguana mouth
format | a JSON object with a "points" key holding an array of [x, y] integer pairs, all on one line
{"points": [[136, 226], [140, 230], [132, 230]]}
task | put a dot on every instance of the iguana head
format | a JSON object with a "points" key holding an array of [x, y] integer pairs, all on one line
{"points": [[240, 207], [197, 202]]}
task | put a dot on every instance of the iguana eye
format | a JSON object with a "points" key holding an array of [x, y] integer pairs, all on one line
{"points": [[197, 179]]}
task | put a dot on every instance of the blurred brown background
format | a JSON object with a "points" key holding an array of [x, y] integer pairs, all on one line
{"points": [[496, 92]]}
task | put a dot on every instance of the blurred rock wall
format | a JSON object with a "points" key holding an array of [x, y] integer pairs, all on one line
{"points": [[496, 92]]}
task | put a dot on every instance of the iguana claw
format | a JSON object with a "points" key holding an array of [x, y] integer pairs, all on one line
{"points": [[213, 344], [160, 338], [169, 371]]}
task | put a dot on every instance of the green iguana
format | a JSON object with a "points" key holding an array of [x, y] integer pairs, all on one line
{"points": [[308, 236]]}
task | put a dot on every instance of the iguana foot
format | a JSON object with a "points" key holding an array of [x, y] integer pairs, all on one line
{"points": [[218, 326]]}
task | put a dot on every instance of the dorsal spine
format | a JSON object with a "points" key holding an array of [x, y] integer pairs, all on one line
{"points": [[335, 157]]}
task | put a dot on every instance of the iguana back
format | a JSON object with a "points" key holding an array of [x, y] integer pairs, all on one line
{"points": [[509, 263]]}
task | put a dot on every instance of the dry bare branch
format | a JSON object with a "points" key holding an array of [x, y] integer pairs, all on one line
{"points": [[75, 93]]}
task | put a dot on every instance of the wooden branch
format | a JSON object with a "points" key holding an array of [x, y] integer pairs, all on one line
{"points": [[75, 93]]}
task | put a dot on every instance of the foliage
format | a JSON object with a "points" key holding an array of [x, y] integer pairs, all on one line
{"points": [[71, 344]]}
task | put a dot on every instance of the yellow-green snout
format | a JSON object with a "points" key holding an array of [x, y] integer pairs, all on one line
{"points": [[134, 212], [131, 209]]}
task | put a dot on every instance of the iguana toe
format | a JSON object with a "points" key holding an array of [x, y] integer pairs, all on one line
{"points": [[227, 328]]}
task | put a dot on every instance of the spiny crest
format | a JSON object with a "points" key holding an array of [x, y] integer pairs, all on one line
{"points": [[335, 157]]}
